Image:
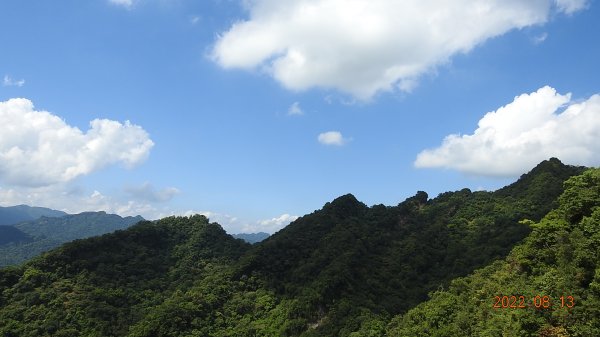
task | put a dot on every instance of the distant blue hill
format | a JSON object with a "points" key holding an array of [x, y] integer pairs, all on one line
{"points": [[28, 239], [15, 214], [9, 234], [252, 237]]}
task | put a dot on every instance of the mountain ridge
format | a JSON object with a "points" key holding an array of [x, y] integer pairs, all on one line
{"points": [[46, 233], [343, 270], [14, 214]]}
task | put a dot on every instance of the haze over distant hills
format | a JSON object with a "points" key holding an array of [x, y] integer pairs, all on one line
{"points": [[15, 214], [27, 239], [252, 237], [344, 270]]}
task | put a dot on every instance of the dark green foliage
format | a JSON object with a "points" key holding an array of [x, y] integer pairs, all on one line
{"points": [[387, 259], [103, 285], [344, 270], [541, 185], [46, 233], [15, 214]]}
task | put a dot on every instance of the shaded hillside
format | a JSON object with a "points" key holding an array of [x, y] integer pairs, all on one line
{"points": [[10, 234], [559, 262], [15, 214], [102, 285], [46, 233]]}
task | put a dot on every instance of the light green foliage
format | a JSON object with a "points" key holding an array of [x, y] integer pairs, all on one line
{"points": [[560, 257]]}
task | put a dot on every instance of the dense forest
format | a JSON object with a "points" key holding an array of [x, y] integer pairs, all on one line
{"points": [[25, 240], [425, 267]]}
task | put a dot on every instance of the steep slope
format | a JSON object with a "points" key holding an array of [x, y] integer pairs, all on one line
{"points": [[46, 233], [348, 259], [15, 214], [103, 285], [554, 277], [344, 270]]}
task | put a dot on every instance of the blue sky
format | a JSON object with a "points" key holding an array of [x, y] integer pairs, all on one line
{"points": [[255, 112]]}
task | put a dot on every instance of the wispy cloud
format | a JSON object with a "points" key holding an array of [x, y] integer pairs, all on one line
{"points": [[124, 3], [149, 193], [195, 19], [9, 82], [540, 38], [295, 110], [571, 6]]}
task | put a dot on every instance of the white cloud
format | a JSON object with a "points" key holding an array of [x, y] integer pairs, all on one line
{"points": [[517, 136], [147, 192], [270, 225], [362, 47], [9, 82], [295, 110], [125, 3], [72, 200], [332, 138], [231, 224], [571, 6], [38, 148]]}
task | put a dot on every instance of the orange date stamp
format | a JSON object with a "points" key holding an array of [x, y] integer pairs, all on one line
{"points": [[537, 302]]}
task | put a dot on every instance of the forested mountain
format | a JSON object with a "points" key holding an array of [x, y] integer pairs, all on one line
{"points": [[548, 286], [15, 214], [344, 270], [102, 285], [10, 234], [252, 237], [45, 233]]}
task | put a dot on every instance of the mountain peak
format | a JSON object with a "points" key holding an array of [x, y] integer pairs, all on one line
{"points": [[549, 165], [543, 184], [345, 206]]}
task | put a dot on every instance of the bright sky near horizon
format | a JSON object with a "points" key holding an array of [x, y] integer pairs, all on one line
{"points": [[255, 112]]}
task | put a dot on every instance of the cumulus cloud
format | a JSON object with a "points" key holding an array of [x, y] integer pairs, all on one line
{"points": [[9, 82], [333, 138], [362, 47], [270, 225], [517, 136], [295, 110], [38, 148], [147, 192]]}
